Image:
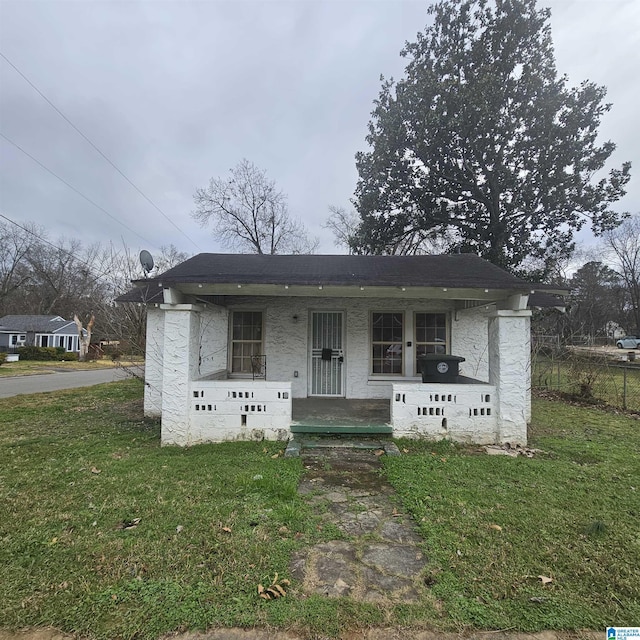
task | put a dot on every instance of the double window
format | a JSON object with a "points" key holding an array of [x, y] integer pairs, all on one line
{"points": [[429, 335], [246, 340]]}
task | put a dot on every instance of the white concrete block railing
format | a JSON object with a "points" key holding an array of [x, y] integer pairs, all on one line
{"points": [[222, 410], [460, 412]]}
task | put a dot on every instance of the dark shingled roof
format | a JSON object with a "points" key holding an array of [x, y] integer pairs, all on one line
{"points": [[461, 270], [145, 294]]}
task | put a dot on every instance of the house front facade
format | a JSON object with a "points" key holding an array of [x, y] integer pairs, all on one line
{"points": [[233, 341], [38, 330]]}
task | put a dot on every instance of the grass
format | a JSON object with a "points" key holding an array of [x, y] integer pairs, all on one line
{"points": [[33, 367], [79, 467], [616, 384], [493, 525]]}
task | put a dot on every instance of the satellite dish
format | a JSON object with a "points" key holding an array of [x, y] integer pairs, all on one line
{"points": [[146, 260]]}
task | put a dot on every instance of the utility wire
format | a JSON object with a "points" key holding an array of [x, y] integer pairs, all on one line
{"points": [[71, 124], [90, 267], [55, 175]]}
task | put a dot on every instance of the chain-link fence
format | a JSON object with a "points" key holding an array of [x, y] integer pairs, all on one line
{"points": [[588, 375]]}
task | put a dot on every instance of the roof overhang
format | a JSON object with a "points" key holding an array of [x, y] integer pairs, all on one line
{"points": [[482, 295]]}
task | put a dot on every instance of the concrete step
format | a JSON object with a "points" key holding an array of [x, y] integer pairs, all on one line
{"points": [[298, 444]]}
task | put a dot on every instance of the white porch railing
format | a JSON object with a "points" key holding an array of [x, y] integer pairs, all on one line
{"points": [[460, 412], [223, 410]]}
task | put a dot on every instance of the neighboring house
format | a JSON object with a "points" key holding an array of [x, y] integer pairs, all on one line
{"points": [[39, 331], [234, 340]]}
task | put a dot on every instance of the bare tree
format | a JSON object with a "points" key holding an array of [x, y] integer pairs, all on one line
{"points": [[15, 246], [624, 245], [250, 214], [343, 224], [126, 322]]}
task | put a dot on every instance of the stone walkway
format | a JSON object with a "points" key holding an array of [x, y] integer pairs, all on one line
{"points": [[378, 557]]}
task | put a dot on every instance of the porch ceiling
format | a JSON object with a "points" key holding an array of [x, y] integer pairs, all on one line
{"points": [[487, 295]]}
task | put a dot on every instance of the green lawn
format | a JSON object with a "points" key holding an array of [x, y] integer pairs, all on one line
{"points": [[79, 467], [34, 367]]}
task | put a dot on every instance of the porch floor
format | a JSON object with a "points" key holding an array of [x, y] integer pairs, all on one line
{"points": [[341, 415]]}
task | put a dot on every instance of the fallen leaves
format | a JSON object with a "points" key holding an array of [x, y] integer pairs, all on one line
{"points": [[497, 527], [96, 471], [545, 579], [274, 590]]}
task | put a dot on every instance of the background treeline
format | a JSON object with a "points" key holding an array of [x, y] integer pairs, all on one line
{"points": [[41, 275]]}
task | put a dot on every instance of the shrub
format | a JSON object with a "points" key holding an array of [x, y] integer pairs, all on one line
{"points": [[3, 356], [69, 357], [38, 353]]}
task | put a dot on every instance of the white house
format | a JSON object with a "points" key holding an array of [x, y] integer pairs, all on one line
{"points": [[235, 341]]}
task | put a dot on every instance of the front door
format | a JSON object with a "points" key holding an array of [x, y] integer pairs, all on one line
{"points": [[327, 355]]}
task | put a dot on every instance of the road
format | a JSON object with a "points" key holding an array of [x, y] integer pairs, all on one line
{"points": [[57, 381]]}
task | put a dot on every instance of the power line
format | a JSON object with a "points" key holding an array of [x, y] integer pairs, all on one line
{"points": [[55, 175], [90, 268], [71, 124]]}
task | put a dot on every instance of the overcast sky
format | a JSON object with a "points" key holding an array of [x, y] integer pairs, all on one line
{"points": [[175, 92]]}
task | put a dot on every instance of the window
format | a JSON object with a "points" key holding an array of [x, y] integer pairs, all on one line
{"points": [[246, 339], [431, 334], [386, 343]]}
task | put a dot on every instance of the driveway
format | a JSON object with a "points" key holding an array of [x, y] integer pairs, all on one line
{"points": [[57, 381]]}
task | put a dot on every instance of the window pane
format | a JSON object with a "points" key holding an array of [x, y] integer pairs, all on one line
{"points": [[246, 336], [431, 334], [387, 338]]}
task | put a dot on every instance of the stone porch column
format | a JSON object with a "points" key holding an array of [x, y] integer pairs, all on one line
{"points": [[179, 366], [510, 372], [153, 362]]}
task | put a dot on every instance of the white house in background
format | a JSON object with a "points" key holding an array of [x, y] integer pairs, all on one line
{"points": [[40, 331], [233, 341]]}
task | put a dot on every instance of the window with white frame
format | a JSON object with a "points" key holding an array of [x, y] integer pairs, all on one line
{"points": [[386, 343], [246, 340], [430, 334]]}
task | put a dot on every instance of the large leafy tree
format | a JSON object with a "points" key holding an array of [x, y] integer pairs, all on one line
{"points": [[597, 300], [482, 143]]}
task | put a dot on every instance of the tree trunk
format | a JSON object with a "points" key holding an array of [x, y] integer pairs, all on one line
{"points": [[84, 337]]}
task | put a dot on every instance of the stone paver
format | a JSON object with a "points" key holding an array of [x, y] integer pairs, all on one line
{"points": [[381, 558]]}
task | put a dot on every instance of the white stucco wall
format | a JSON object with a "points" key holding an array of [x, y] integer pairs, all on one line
{"points": [[287, 341], [153, 362], [510, 372], [190, 342], [213, 335], [460, 412], [469, 339], [180, 365], [224, 410]]}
